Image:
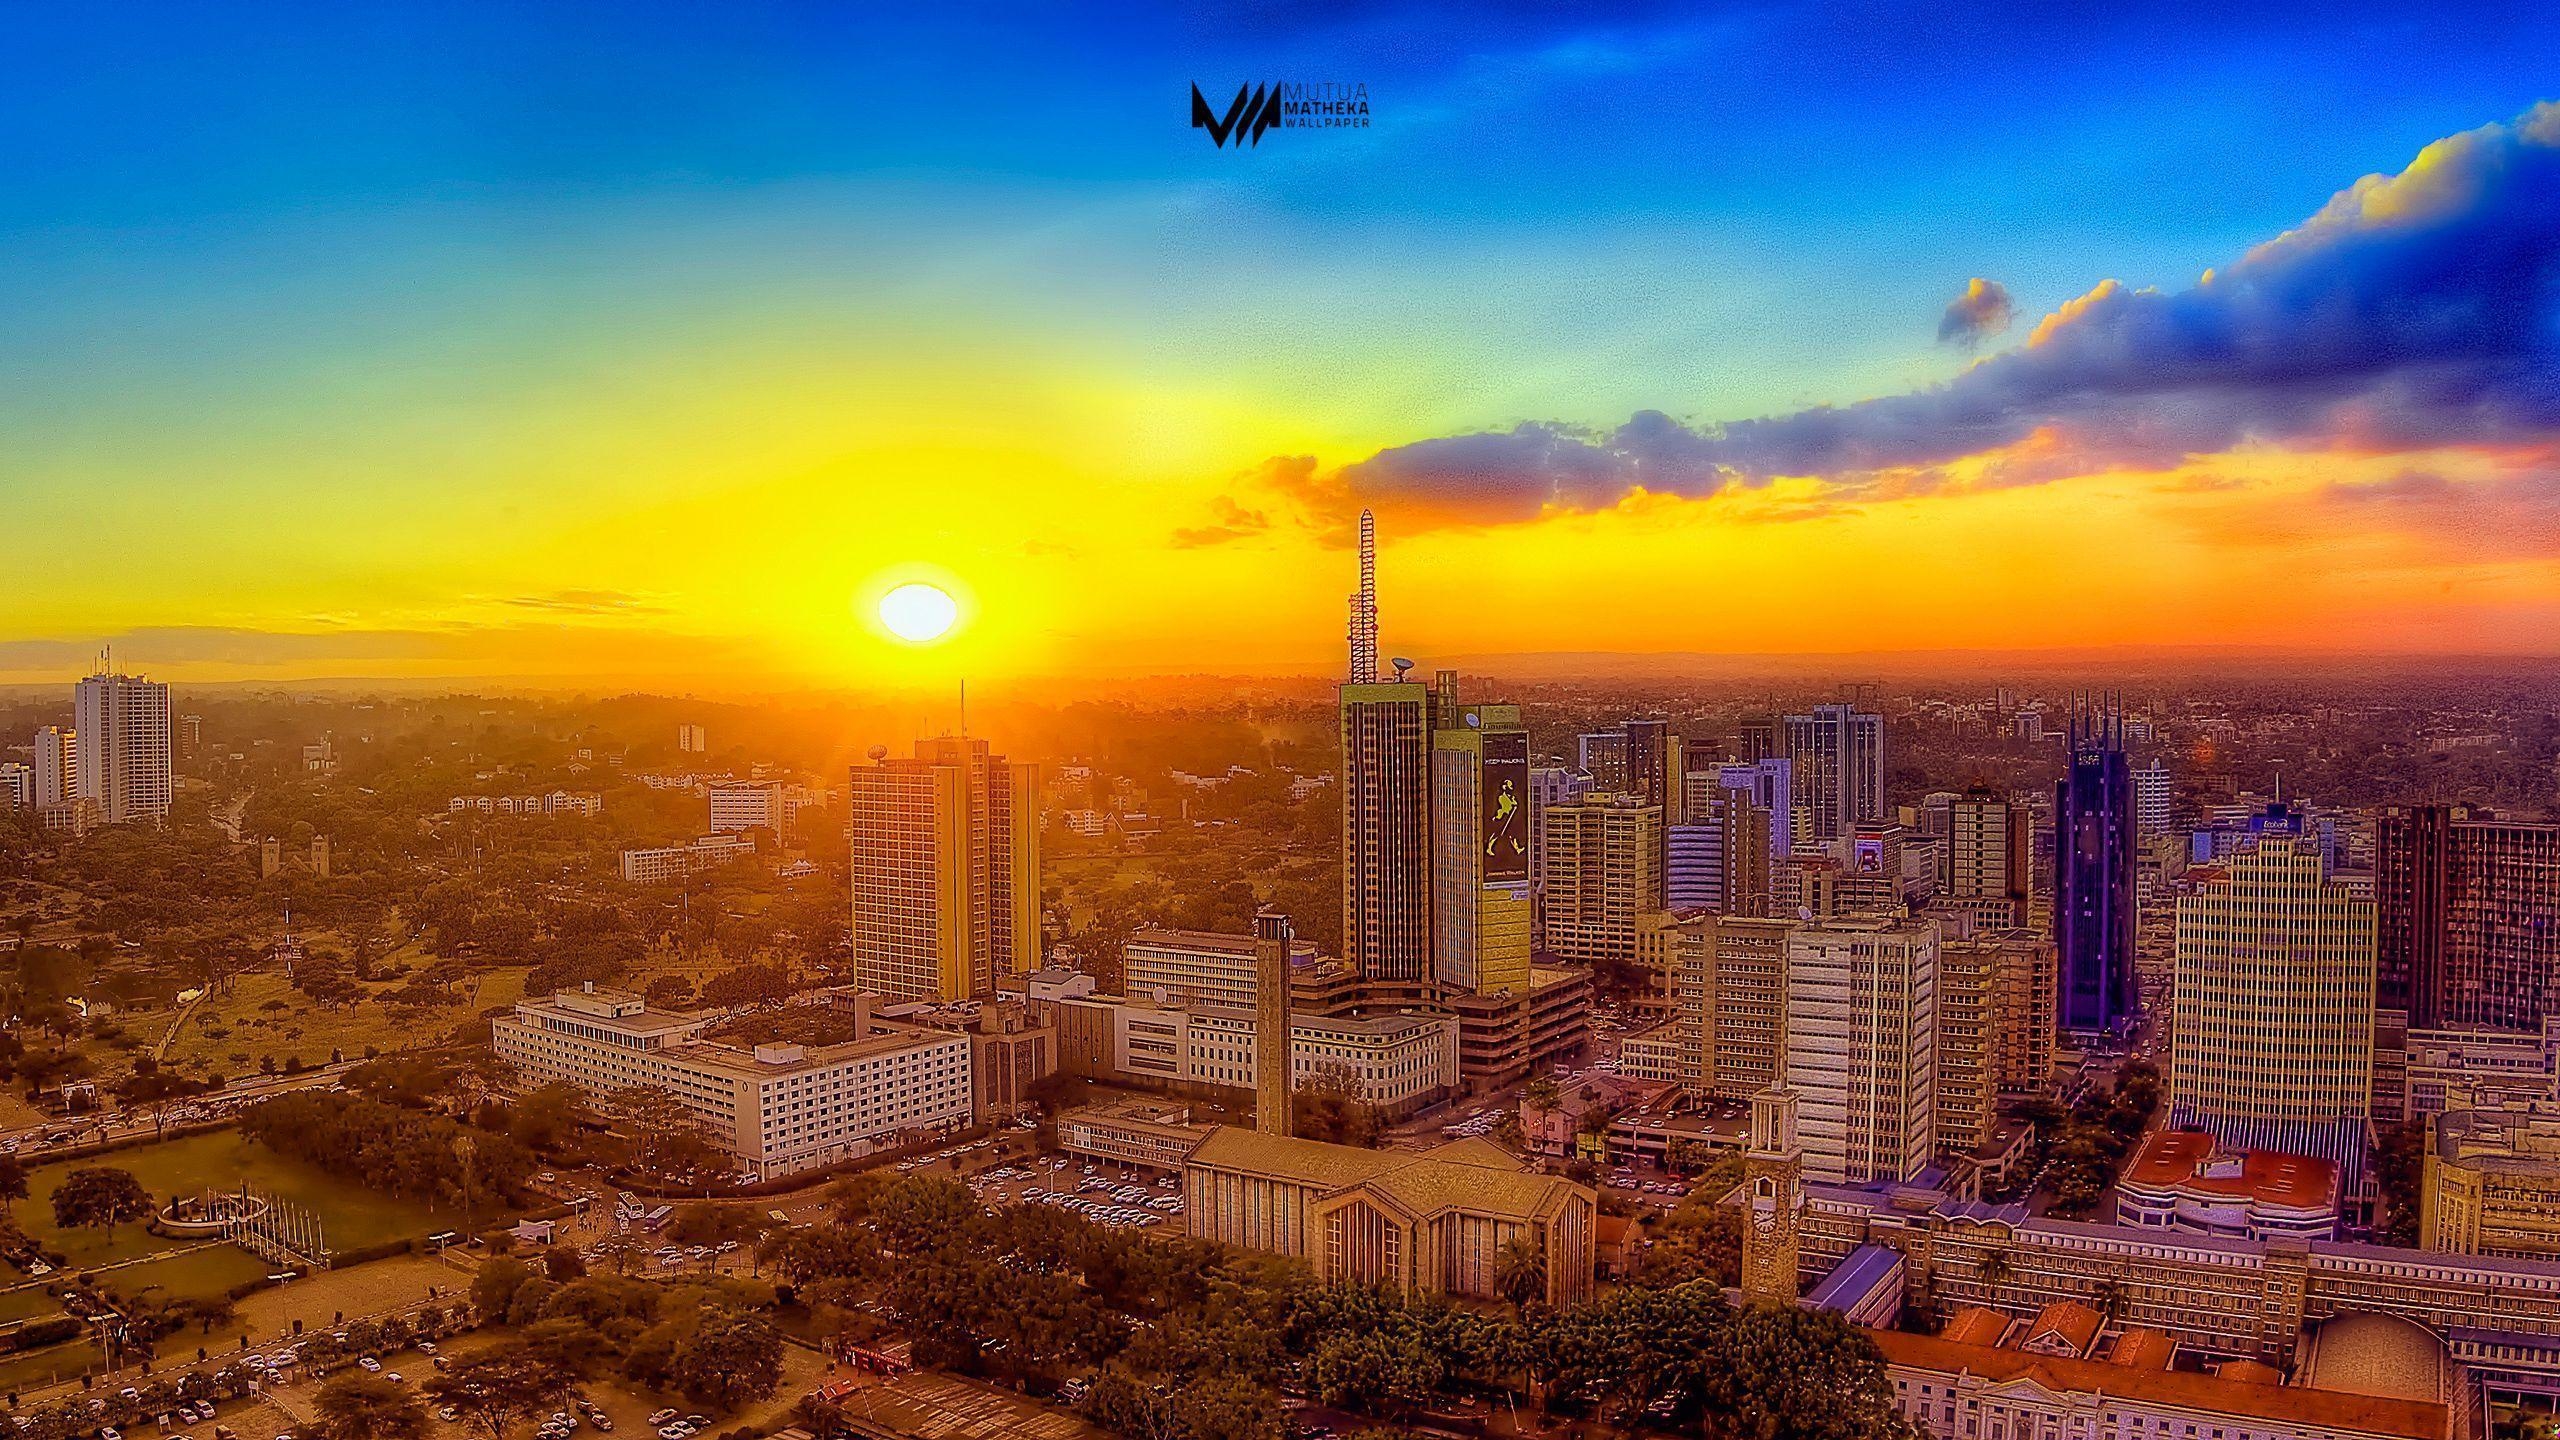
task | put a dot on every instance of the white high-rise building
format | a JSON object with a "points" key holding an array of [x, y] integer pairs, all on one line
{"points": [[123, 725], [1862, 1046], [17, 787], [57, 768], [2151, 799]]}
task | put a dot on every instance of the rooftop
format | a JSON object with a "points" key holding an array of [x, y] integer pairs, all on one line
{"points": [[1469, 1175], [2366, 1414], [2190, 1161]]}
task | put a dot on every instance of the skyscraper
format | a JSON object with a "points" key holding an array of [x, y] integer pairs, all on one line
{"points": [[2273, 1043], [1987, 864], [1861, 1046], [122, 722], [1836, 758], [2469, 912], [2093, 891], [1386, 828], [946, 871], [1604, 869], [2151, 811], [1770, 782], [1719, 858], [57, 768], [1601, 755], [1480, 896]]}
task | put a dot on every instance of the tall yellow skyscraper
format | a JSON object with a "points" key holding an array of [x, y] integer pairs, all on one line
{"points": [[2274, 999], [946, 871], [1480, 903]]}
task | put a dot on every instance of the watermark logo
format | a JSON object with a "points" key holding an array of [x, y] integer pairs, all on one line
{"points": [[1281, 105]]}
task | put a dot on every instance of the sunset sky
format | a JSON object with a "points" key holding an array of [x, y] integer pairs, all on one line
{"points": [[653, 342]]}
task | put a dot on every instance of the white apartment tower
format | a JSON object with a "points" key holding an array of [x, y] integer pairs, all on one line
{"points": [[57, 768], [1861, 1047], [122, 722]]}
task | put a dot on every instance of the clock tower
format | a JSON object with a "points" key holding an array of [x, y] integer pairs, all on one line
{"points": [[1772, 1197]]}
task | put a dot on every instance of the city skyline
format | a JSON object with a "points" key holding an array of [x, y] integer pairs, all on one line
{"points": [[1645, 315]]}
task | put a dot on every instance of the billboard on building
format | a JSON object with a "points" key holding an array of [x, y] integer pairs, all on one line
{"points": [[1504, 797]]}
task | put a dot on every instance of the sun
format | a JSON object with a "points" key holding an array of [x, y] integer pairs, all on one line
{"points": [[919, 613]]}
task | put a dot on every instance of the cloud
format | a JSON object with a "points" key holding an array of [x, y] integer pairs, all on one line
{"points": [[1231, 521], [2413, 311], [586, 602], [1980, 312]]}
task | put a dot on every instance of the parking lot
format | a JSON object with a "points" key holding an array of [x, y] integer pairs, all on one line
{"points": [[1113, 1195]]}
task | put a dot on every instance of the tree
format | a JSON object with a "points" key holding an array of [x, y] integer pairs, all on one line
{"points": [[729, 1360], [100, 1198], [1520, 1270], [492, 1389], [357, 1406], [13, 1179]]}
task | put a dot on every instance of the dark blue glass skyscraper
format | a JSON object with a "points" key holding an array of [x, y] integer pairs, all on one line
{"points": [[2093, 894]]}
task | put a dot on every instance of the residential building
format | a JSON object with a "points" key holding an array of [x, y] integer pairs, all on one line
{"points": [[122, 722], [2273, 1034], [946, 871], [1386, 736], [1433, 1223], [1861, 1042], [2094, 904], [776, 1108], [57, 768], [17, 786]]}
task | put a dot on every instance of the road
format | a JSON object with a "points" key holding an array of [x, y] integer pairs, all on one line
{"points": [[105, 1127]]}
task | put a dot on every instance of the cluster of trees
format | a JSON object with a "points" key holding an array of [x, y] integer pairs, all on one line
{"points": [[392, 1148], [1183, 1340], [1332, 1105], [72, 1419], [2399, 1172], [708, 1340], [2083, 1148]]}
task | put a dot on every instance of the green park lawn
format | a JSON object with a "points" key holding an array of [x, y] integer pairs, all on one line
{"points": [[353, 1217], [265, 1018], [27, 1304]]}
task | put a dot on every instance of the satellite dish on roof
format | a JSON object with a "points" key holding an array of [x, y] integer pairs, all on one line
{"points": [[879, 753], [1401, 664]]}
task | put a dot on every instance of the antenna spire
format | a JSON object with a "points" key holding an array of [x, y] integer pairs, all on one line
{"points": [[1364, 606]]}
